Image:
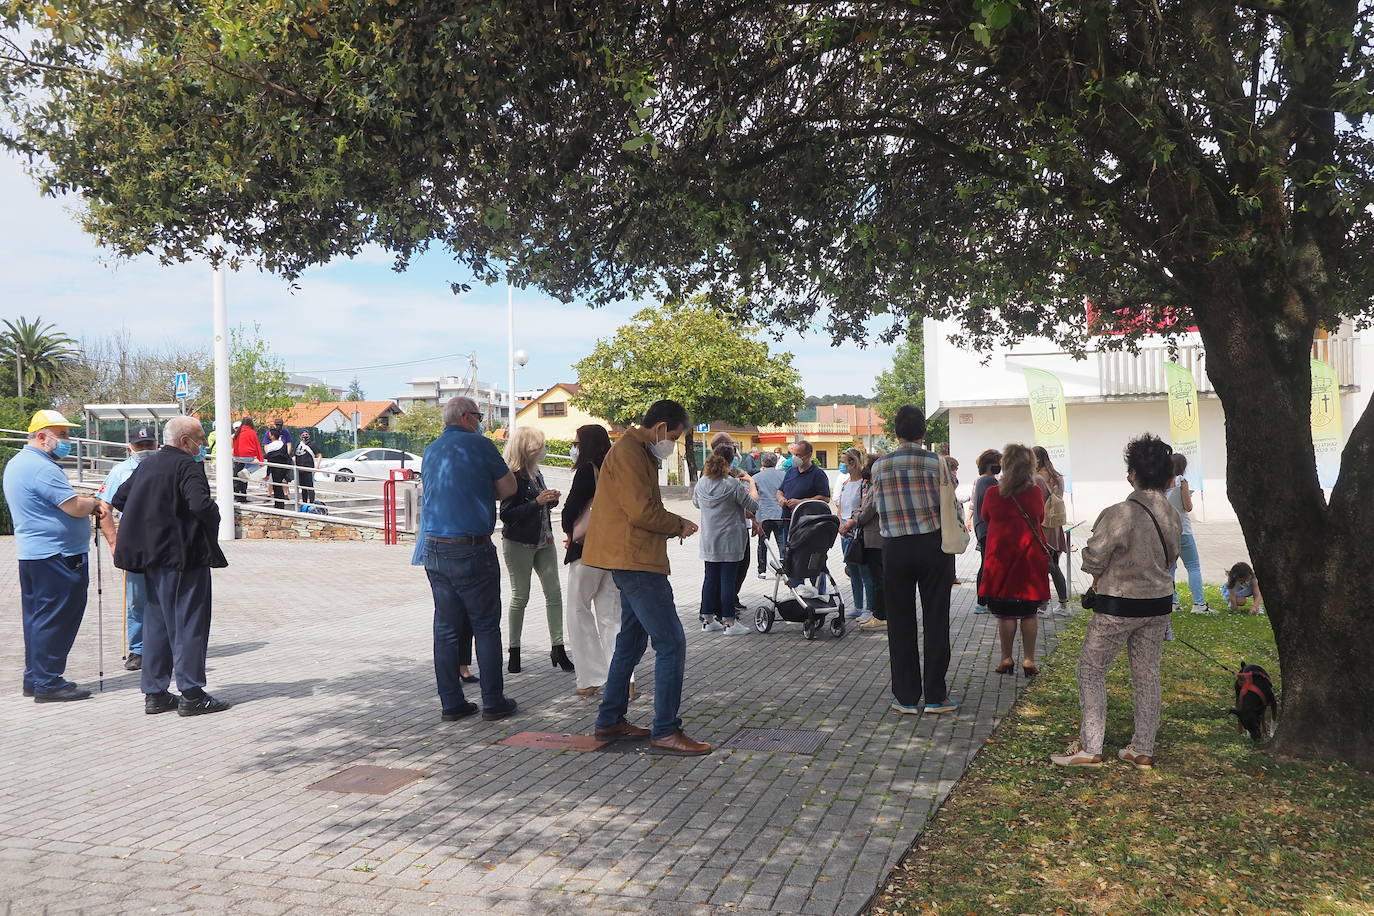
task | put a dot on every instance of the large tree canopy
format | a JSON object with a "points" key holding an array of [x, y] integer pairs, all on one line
{"points": [[710, 364], [991, 161]]}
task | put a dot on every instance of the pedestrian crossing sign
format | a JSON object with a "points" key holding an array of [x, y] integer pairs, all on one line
{"points": [[183, 385]]}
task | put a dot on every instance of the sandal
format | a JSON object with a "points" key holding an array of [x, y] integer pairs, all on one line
{"points": [[1029, 670], [1005, 667]]}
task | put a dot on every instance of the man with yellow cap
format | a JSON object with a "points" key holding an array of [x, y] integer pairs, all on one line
{"points": [[52, 538]]}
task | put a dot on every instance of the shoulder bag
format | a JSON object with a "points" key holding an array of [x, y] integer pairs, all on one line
{"points": [[954, 535]]}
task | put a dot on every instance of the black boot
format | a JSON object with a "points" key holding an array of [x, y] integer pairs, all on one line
{"points": [[513, 666], [559, 657]]}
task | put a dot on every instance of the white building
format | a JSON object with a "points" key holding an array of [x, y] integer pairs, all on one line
{"points": [[298, 385], [1110, 397], [437, 390]]}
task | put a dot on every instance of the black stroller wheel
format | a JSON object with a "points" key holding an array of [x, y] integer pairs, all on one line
{"points": [[837, 627], [809, 629], [763, 618]]}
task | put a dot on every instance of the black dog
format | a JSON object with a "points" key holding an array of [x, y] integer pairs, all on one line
{"points": [[1256, 710]]}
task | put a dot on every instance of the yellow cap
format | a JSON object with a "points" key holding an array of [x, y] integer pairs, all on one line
{"points": [[45, 418]]}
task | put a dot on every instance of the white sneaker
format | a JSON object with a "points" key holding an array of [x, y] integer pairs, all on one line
{"points": [[1043, 612], [1063, 610], [1202, 609], [763, 575], [712, 626], [738, 628], [1075, 756]]}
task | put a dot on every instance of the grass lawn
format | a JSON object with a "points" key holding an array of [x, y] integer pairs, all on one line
{"points": [[1217, 827]]}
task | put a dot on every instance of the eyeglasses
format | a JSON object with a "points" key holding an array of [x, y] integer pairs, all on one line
{"points": [[473, 413]]}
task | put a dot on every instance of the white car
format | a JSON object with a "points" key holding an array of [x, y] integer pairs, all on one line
{"points": [[370, 462]]}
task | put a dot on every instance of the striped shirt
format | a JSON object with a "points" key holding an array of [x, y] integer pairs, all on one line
{"points": [[906, 485]]}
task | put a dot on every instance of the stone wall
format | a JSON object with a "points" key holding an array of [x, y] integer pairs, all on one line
{"points": [[259, 525]]}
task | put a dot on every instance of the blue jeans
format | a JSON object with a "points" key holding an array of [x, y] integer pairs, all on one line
{"points": [[466, 582], [1187, 552], [647, 613], [718, 591], [52, 593], [135, 596], [860, 577]]}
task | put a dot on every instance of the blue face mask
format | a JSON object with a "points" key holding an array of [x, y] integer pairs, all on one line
{"points": [[843, 468], [201, 455], [64, 448]]}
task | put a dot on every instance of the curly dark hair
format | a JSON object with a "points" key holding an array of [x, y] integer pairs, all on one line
{"points": [[1152, 460]]}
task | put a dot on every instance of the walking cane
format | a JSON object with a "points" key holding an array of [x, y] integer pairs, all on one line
{"points": [[99, 603], [124, 621]]}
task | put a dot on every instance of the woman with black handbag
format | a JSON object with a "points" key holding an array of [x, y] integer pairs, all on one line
{"points": [[1015, 558], [1131, 557]]}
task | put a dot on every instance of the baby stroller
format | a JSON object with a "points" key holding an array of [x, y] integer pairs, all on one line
{"points": [[810, 535]]}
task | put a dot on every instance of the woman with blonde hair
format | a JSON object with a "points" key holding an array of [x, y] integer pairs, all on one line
{"points": [[1016, 560], [528, 546]]}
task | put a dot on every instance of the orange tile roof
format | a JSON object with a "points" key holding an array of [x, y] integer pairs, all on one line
{"points": [[312, 413], [863, 421]]}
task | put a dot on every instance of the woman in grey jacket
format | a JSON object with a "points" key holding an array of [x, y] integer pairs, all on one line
{"points": [[725, 498], [1131, 557]]}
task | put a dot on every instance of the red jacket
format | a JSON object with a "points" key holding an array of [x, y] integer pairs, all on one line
{"points": [[1015, 566], [246, 444]]}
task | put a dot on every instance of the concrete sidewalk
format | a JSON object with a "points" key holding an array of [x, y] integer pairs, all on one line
{"points": [[325, 650]]}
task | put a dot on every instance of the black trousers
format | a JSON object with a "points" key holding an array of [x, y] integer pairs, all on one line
{"points": [[240, 486], [873, 559], [176, 628], [915, 564]]}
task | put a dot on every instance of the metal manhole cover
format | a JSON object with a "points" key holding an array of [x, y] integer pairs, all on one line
{"points": [[554, 741], [791, 740], [368, 780]]}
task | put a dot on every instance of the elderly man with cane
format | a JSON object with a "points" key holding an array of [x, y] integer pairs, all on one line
{"points": [[170, 525], [52, 540]]}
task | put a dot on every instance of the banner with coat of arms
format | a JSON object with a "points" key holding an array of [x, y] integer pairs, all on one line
{"points": [[1327, 430], [1185, 419], [1045, 396]]}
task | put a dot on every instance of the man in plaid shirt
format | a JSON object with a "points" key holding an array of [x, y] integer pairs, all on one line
{"points": [[906, 485]]}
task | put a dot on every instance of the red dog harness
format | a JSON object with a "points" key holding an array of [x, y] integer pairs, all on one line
{"points": [[1246, 682]]}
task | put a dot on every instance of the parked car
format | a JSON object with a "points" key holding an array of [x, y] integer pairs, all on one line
{"points": [[370, 462]]}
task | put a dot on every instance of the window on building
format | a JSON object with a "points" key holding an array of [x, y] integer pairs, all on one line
{"points": [[553, 409]]}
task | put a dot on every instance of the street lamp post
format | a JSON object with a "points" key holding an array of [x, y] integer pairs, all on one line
{"points": [[516, 360]]}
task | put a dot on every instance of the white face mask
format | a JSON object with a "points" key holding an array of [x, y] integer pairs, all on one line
{"points": [[140, 456], [664, 448], [573, 453], [543, 453]]}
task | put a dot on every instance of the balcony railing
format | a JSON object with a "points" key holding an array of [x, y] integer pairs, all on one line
{"points": [[1123, 373]]}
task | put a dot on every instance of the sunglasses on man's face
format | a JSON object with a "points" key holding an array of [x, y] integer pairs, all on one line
{"points": [[474, 413]]}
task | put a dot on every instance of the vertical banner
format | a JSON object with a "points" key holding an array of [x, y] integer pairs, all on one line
{"points": [[1185, 420], [1327, 430], [1045, 395]]}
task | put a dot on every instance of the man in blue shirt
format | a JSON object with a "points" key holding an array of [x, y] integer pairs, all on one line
{"points": [[141, 445], [804, 481], [465, 475], [52, 539]]}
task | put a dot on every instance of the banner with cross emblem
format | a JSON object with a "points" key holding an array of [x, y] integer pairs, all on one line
{"points": [[1185, 419], [1045, 396], [1327, 430]]}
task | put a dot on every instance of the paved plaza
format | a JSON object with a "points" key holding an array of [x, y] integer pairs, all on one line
{"points": [[324, 648]]}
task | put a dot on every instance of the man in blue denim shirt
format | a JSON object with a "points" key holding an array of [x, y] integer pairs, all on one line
{"points": [[465, 475]]}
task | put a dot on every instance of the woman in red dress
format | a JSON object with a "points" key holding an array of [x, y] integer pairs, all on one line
{"points": [[1015, 564]]}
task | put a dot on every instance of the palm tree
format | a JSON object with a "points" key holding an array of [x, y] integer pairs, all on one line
{"points": [[39, 352]]}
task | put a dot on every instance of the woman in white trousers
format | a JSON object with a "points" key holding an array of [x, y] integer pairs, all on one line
{"points": [[593, 611]]}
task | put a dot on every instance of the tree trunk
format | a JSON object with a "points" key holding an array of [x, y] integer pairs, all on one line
{"points": [[1313, 561], [691, 449]]}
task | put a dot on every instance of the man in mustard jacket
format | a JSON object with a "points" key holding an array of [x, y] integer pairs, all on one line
{"points": [[628, 535]]}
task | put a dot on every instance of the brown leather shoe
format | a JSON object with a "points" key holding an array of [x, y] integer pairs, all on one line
{"points": [[622, 732], [679, 745]]}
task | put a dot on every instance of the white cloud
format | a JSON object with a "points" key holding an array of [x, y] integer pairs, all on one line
{"points": [[353, 313]]}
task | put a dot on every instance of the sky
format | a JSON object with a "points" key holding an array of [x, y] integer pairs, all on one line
{"points": [[348, 314]]}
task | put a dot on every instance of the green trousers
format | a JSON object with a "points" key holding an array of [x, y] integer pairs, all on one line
{"points": [[521, 561]]}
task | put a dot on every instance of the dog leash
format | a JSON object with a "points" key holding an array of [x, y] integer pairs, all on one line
{"points": [[1206, 656]]}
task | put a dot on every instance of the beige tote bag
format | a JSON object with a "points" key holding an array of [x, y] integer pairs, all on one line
{"points": [[954, 535]]}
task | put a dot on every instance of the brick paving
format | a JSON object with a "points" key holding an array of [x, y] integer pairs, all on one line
{"points": [[325, 650]]}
